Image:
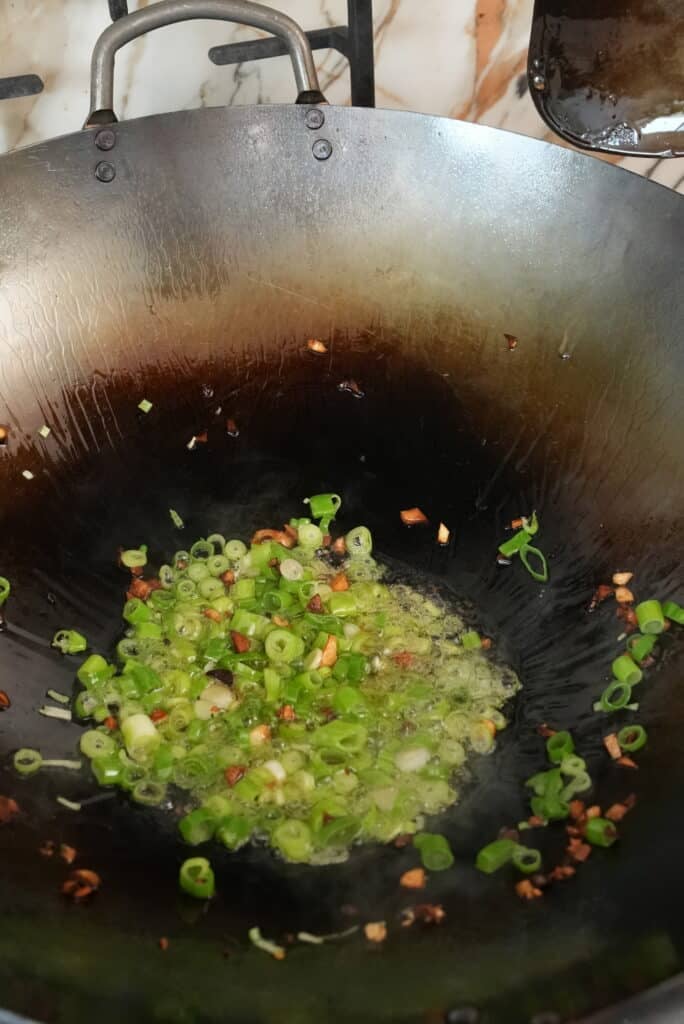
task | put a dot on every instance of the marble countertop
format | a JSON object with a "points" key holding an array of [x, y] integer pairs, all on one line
{"points": [[464, 59]]}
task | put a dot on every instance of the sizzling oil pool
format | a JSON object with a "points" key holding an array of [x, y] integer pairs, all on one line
{"points": [[299, 693]]}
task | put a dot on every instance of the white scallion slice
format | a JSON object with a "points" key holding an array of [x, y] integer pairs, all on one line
{"points": [[63, 713]]}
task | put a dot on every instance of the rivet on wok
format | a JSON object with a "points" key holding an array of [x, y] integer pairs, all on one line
{"points": [[315, 118], [105, 139], [321, 149], [539, 82], [105, 171]]}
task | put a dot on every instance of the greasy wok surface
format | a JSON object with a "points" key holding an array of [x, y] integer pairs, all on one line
{"points": [[182, 296]]}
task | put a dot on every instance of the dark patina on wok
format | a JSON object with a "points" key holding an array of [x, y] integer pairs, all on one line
{"points": [[194, 276]]}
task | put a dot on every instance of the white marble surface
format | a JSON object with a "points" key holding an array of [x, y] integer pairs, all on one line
{"points": [[459, 58]]}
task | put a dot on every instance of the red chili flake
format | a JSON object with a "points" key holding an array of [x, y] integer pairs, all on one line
{"points": [[201, 438], [545, 730], [47, 848], [403, 659], [563, 871], [405, 839], [278, 535], [163, 943], [518, 523], [339, 546], [87, 877], [329, 656], [526, 891], [616, 812], [627, 762], [110, 722], [628, 616], [415, 878], [486, 643], [316, 346], [339, 582], [327, 540], [140, 589], [593, 812], [286, 713], [619, 810], [600, 594], [534, 821], [4, 436], [578, 850], [315, 604], [232, 428], [158, 715], [413, 517], [511, 341], [240, 642], [5, 702], [234, 773], [574, 830], [211, 613], [67, 853], [81, 884], [576, 808], [228, 577], [78, 893], [9, 809], [352, 387]]}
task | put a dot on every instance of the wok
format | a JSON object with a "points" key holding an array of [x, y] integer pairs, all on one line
{"points": [[186, 258]]}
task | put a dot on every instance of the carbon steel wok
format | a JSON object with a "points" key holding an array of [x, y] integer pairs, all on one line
{"points": [[187, 258]]}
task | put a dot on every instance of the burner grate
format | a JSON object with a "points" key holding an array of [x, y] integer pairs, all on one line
{"points": [[20, 85], [354, 41]]}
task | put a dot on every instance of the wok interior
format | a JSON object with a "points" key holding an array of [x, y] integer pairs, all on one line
{"points": [[409, 440], [451, 421]]}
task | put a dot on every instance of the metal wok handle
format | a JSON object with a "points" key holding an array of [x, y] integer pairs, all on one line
{"points": [[168, 12]]}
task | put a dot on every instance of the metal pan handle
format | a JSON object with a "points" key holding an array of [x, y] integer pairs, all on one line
{"points": [[168, 12]]}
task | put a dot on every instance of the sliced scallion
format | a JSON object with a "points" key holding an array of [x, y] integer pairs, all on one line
{"points": [[134, 558], [650, 617], [49, 712], [61, 698], [68, 641]]}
